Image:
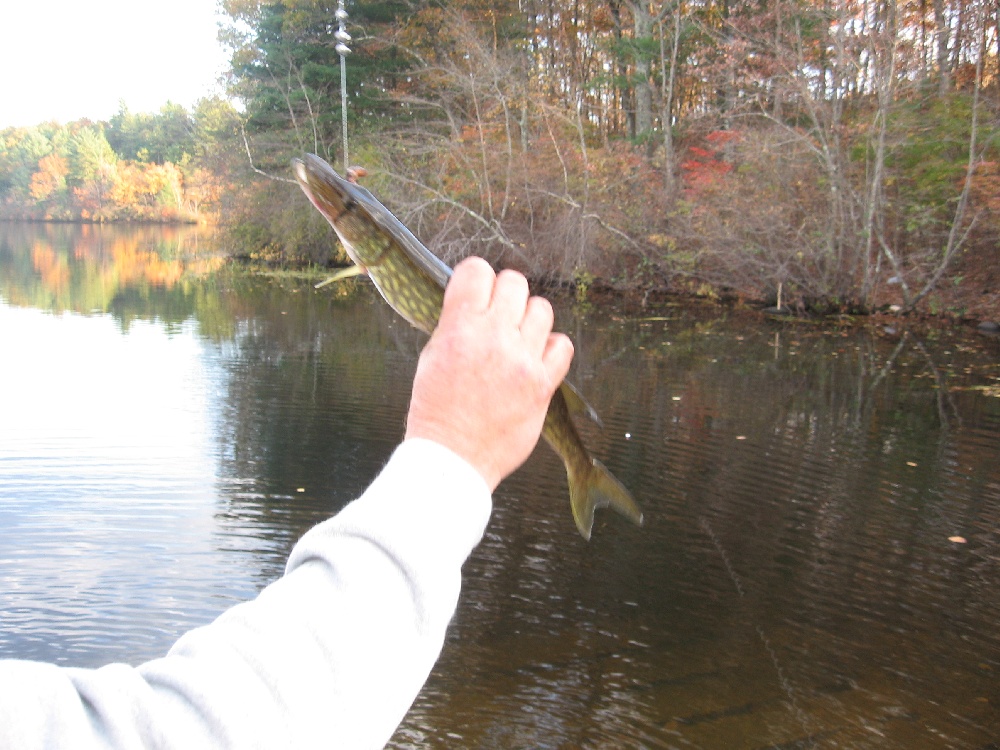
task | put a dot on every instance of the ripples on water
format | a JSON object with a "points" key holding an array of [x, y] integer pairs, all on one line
{"points": [[794, 585], [151, 476]]}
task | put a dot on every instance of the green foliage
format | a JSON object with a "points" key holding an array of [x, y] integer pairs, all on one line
{"points": [[287, 71], [928, 162], [90, 155], [508, 128], [582, 281], [168, 136], [281, 227], [20, 151], [630, 49]]}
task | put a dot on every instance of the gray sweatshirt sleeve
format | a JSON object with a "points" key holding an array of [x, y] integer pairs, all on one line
{"points": [[330, 655]]}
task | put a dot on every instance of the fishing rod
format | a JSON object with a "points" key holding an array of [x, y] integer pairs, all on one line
{"points": [[343, 50]]}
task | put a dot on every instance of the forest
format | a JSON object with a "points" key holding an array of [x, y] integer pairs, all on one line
{"points": [[833, 155], [163, 167]]}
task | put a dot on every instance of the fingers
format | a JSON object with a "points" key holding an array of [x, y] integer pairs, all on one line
{"points": [[470, 287], [484, 381], [510, 297], [474, 286], [536, 324], [557, 357]]}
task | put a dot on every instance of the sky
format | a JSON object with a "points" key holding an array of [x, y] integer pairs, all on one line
{"points": [[65, 60]]}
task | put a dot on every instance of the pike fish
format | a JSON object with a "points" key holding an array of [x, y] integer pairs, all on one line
{"points": [[412, 280]]}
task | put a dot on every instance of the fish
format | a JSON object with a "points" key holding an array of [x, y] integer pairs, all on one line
{"points": [[411, 279]]}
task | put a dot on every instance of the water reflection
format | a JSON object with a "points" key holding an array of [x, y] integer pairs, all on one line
{"points": [[106, 463], [90, 268], [795, 585]]}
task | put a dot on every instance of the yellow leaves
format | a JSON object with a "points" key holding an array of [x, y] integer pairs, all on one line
{"points": [[148, 191], [123, 190], [662, 241], [987, 390]]}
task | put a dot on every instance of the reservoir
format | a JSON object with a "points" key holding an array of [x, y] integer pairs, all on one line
{"points": [[820, 561]]}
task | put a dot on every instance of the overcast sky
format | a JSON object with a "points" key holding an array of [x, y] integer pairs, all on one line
{"points": [[68, 59]]}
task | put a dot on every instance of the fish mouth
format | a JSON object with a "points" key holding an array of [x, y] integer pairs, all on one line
{"points": [[329, 192], [301, 171]]}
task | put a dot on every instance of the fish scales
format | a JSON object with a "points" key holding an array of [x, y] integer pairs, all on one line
{"points": [[412, 280], [411, 295]]}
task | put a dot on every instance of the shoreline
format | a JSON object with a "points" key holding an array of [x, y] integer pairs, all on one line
{"points": [[636, 302]]}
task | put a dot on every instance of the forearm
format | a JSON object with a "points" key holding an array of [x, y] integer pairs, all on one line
{"points": [[331, 654]]}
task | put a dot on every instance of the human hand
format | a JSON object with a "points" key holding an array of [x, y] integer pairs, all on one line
{"points": [[485, 378]]}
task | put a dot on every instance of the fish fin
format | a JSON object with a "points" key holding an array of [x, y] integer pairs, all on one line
{"points": [[599, 489], [343, 273], [578, 404]]}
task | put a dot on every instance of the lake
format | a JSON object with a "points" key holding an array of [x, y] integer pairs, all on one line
{"points": [[820, 562]]}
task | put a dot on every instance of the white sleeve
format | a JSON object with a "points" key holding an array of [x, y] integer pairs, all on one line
{"points": [[330, 655]]}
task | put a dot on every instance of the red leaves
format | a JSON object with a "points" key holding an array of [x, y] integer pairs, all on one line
{"points": [[722, 137], [705, 169]]}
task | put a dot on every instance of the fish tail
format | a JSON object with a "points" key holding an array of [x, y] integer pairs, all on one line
{"points": [[594, 488]]}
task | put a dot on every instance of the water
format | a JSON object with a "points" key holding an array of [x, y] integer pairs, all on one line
{"points": [[799, 583]]}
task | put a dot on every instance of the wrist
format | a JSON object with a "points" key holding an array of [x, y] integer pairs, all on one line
{"points": [[451, 454]]}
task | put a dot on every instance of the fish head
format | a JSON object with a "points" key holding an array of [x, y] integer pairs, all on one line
{"points": [[346, 205]]}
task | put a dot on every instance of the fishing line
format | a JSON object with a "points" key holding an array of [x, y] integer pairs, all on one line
{"points": [[783, 681], [343, 50]]}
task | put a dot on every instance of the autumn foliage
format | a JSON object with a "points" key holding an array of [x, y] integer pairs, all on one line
{"points": [[706, 166], [133, 168], [86, 266], [843, 152]]}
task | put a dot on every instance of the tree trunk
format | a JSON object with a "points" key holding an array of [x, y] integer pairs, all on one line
{"points": [[941, 24], [642, 28], [669, 66]]}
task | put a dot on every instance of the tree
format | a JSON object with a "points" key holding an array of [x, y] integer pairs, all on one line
{"points": [[50, 177], [167, 136], [92, 172], [797, 145], [20, 151], [90, 154]]}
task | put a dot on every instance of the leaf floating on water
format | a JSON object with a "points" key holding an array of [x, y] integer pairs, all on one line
{"points": [[957, 539]]}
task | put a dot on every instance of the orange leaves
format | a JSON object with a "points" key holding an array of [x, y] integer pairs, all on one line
{"points": [[52, 267], [127, 190], [201, 188], [50, 177], [134, 261], [154, 192]]}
